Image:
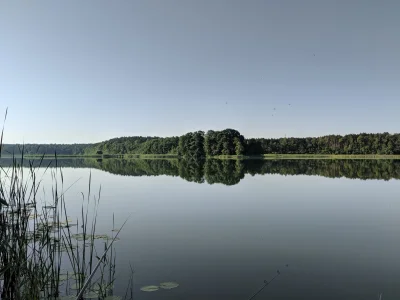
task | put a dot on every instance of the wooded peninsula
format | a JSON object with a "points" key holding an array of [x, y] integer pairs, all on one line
{"points": [[228, 142]]}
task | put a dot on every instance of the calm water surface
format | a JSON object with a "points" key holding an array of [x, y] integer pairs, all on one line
{"points": [[340, 236]]}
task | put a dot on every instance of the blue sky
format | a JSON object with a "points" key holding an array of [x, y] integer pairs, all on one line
{"points": [[86, 71]]}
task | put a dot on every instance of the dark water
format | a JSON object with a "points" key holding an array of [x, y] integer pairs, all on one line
{"points": [[220, 228]]}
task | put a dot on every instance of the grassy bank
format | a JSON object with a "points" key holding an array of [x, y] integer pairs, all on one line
{"points": [[58, 156], [329, 156], [151, 156], [264, 156], [307, 156]]}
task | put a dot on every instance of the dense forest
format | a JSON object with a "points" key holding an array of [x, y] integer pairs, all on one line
{"points": [[231, 142], [48, 149], [364, 143], [225, 142]]}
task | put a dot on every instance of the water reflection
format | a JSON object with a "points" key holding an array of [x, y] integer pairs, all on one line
{"points": [[230, 172]]}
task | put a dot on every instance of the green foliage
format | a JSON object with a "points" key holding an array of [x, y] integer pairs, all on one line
{"points": [[136, 145], [364, 143], [196, 145], [225, 142], [191, 145], [37, 242], [48, 149]]}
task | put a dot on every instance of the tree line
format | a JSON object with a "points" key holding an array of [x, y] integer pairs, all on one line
{"points": [[47, 149], [199, 144], [363, 143]]}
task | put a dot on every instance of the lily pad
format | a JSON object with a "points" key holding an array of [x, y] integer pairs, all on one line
{"points": [[77, 276], [81, 237], [66, 248], [34, 216], [149, 288], [91, 295], [49, 207], [65, 225], [102, 287], [101, 236], [76, 286], [63, 277], [109, 239], [169, 285]]}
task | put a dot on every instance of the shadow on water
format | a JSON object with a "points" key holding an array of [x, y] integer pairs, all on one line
{"points": [[230, 172]]}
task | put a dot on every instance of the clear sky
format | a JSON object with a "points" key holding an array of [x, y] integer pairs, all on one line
{"points": [[86, 71]]}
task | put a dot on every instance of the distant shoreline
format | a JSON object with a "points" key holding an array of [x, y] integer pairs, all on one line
{"points": [[255, 157]]}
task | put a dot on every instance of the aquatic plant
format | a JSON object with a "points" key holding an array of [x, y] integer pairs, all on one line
{"points": [[39, 257]]}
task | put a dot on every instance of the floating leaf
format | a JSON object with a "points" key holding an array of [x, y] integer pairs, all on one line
{"points": [[66, 248], [49, 207], [67, 298], [91, 295], [102, 287], [33, 217], [64, 225], [77, 276], [63, 277], [101, 236], [169, 285], [76, 286], [109, 239], [81, 237], [149, 288]]}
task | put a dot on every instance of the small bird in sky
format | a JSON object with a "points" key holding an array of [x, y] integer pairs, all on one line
{"points": [[226, 102], [274, 108], [314, 54]]}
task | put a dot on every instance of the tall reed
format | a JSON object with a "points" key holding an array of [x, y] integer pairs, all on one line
{"points": [[44, 253]]}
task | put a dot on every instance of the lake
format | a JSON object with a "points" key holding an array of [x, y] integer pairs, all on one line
{"points": [[220, 228]]}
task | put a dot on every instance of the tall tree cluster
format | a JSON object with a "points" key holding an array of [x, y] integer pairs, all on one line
{"points": [[191, 145], [225, 142]]}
